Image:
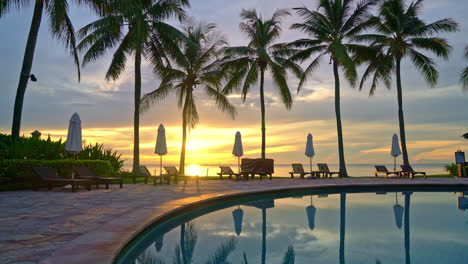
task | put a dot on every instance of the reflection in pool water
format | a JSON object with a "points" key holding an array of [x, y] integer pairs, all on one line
{"points": [[340, 228]]}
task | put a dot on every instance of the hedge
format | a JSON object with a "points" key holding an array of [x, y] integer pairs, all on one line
{"points": [[19, 174]]}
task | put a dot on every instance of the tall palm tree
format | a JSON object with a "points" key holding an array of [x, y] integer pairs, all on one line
{"points": [[133, 27], [60, 27], [464, 75], [401, 33], [246, 63], [193, 63], [330, 31]]}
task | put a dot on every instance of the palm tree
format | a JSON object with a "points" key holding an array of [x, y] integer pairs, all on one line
{"points": [[60, 27], [331, 30], [260, 55], [134, 27], [194, 62], [401, 33], [464, 75]]}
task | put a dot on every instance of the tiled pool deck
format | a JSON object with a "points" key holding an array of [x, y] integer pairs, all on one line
{"points": [[91, 226]]}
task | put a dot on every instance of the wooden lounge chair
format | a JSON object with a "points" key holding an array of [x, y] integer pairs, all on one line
{"points": [[143, 170], [226, 170], [86, 173], [409, 172], [171, 171], [383, 169], [139, 174], [48, 176], [299, 169], [325, 171]]}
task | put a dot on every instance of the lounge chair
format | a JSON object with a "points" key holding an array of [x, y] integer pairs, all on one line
{"points": [[48, 176], [86, 173], [143, 170], [325, 171], [226, 170], [171, 171], [383, 169], [139, 174], [299, 169], [407, 170]]}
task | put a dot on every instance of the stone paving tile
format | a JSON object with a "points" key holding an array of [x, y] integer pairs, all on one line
{"points": [[58, 226]]}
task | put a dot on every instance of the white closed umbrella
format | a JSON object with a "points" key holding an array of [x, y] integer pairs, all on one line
{"points": [[238, 151], [395, 150], [238, 215], [73, 144], [311, 214], [398, 212], [161, 147], [309, 152]]}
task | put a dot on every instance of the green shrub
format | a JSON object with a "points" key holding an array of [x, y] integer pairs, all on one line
{"points": [[19, 174], [453, 169], [34, 148]]}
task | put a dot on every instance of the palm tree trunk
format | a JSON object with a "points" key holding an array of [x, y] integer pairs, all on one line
{"points": [[26, 68], [343, 172], [263, 235], [184, 136], [407, 231], [342, 226], [182, 243], [136, 116], [262, 106], [400, 114]]}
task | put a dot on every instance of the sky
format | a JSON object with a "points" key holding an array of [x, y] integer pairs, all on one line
{"points": [[435, 118]]}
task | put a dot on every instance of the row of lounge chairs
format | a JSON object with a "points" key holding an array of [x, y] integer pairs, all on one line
{"points": [[323, 171], [85, 177], [171, 172], [406, 171]]}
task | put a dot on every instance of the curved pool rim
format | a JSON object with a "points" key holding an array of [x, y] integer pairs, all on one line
{"points": [[173, 218]]}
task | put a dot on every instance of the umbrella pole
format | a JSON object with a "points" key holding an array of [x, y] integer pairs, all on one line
{"points": [[394, 164], [160, 164], [73, 166], [238, 164], [310, 164]]}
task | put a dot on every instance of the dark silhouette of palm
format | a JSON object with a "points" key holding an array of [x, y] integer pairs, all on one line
{"points": [[132, 27], [60, 27], [193, 63], [464, 75], [184, 252], [246, 63], [331, 31], [401, 33]]}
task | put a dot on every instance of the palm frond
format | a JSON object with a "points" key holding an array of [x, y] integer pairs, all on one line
{"points": [[221, 101], [438, 46], [222, 252], [148, 100], [279, 80], [425, 65], [289, 256]]}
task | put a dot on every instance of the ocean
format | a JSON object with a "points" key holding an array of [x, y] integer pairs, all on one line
{"points": [[282, 170]]}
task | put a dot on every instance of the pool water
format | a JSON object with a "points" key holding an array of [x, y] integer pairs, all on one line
{"points": [[383, 227]]}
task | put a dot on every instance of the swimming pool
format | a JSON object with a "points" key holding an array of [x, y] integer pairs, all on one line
{"points": [[352, 226]]}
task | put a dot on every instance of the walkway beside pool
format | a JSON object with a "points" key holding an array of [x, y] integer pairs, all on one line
{"points": [[91, 226]]}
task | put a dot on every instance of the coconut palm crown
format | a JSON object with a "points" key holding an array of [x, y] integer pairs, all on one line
{"points": [[194, 62], [402, 34], [330, 31], [249, 63], [135, 27], [60, 27]]}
